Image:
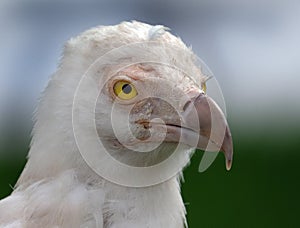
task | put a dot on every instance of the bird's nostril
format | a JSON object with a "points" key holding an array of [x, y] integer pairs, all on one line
{"points": [[186, 105]]}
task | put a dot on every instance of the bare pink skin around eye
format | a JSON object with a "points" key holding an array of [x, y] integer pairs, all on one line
{"points": [[138, 71]]}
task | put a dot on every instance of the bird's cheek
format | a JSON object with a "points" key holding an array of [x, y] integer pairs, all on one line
{"points": [[140, 132]]}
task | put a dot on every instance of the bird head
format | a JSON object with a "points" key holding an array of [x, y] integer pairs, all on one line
{"points": [[137, 90], [151, 109]]}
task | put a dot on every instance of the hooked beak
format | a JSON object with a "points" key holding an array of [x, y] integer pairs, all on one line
{"points": [[201, 124], [212, 132], [213, 127]]}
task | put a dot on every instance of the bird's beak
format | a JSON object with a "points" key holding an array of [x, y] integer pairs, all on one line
{"points": [[204, 124], [214, 129], [201, 124]]}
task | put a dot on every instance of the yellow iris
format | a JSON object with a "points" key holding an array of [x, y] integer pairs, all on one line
{"points": [[203, 87], [124, 90]]}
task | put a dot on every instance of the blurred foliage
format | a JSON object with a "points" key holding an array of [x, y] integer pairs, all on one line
{"points": [[261, 190]]}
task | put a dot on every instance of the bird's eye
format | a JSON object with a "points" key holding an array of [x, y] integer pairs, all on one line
{"points": [[203, 87], [124, 90]]}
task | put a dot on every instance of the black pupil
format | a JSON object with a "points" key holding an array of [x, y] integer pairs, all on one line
{"points": [[126, 88]]}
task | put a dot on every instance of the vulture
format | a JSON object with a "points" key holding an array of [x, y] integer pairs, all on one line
{"points": [[115, 127]]}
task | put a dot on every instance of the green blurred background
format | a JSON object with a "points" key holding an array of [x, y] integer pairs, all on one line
{"points": [[252, 48], [261, 190]]}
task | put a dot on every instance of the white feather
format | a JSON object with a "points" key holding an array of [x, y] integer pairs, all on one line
{"points": [[57, 188], [157, 31]]}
